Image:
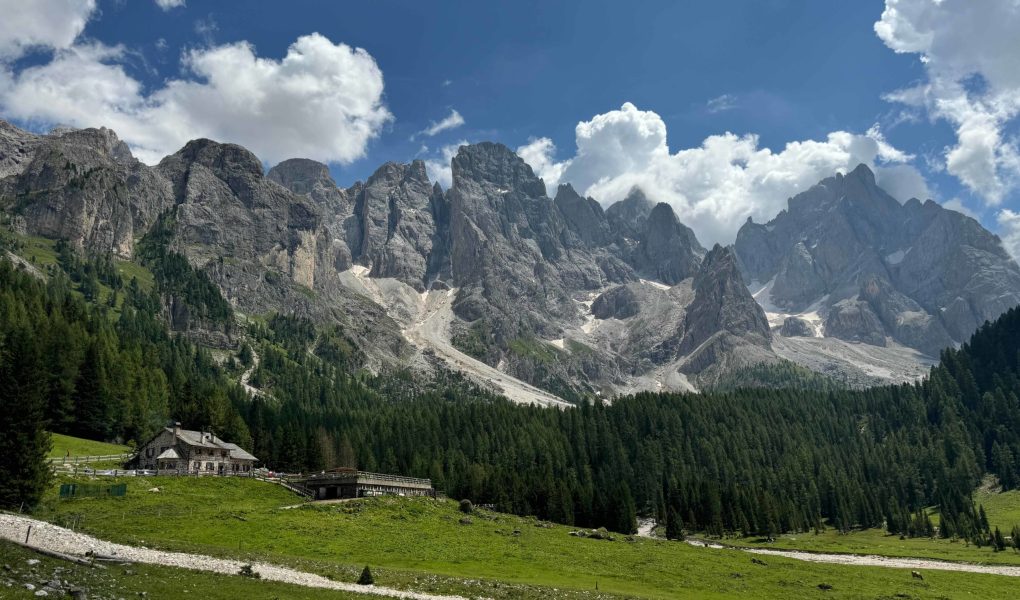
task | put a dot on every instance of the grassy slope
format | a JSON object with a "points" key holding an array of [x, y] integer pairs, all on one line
{"points": [[158, 582], [62, 444], [406, 537], [1003, 510], [877, 541]]}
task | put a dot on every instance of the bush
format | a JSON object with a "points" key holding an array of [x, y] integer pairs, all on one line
{"points": [[466, 507], [366, 577], [248, 571]]}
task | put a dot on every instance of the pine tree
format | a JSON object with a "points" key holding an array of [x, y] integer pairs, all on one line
{"points": [[24, 443], [674, 525], [998, 542]]}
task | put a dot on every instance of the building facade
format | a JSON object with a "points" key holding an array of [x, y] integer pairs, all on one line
{"points": [[350, 483], [174, 450]]}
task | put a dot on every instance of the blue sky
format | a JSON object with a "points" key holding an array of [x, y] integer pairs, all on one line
{"points": [[527, 72]]}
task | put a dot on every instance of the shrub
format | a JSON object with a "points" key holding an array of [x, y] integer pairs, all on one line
{"points": [[466, 507], [366, 577], [248, 571]]}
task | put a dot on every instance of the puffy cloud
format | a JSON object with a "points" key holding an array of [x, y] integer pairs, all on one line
{"points": [[970, 51], [451, 121], [713, 187], [169, 4], [322, 100], [1009, 231], [41, 23], [540, 154]]}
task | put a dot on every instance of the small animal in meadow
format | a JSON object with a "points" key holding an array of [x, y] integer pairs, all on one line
{"points": [[917, 575]]}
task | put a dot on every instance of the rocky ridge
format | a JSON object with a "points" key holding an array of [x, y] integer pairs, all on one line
{"points": [[556, 292], [874, 271]]}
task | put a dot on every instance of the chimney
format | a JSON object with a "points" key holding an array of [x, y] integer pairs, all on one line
{"points": [[177, 429]]}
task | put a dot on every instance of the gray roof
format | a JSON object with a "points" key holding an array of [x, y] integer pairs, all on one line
{"points": [[201, 439], [168, 454], [238, 453]]}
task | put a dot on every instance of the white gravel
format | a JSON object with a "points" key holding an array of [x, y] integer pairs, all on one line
{"points": [[58, 539]]}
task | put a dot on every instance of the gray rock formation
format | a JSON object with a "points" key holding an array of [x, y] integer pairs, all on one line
{"points": [[796, 327], [397, 212], [668, 250], [558, 292], [81, 185], [723, 315], [312, 179], [921, 274]]}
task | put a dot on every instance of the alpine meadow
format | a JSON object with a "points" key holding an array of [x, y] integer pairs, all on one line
{"points": [[776, 357]]}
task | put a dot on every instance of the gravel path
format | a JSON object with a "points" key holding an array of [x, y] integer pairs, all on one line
{"points": [[51, 537], [870, 560]]}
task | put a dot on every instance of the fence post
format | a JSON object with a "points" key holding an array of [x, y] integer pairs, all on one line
{"points": [[28, 533]]}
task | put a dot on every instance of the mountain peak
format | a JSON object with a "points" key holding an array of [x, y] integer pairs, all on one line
{"points": [[497, 165], [218, 157], [864, 173]]}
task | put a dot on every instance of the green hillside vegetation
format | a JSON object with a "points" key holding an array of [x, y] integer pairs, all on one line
{"points": [[746, 461], [409, 542], [64, 445], [1002, 509]]}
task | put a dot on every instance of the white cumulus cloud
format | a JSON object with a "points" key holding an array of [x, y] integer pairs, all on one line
{"points": [[713, 187], [321, 100], [1009, 231], [970, 52], [451, 121], [41, 23]]}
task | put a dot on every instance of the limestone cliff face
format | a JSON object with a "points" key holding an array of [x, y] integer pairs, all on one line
{"points": [[83, 186], [723, 319], [556, 291], [268, 248], [397, 210], [916, 272]]}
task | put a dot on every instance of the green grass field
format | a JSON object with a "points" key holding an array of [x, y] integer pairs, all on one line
{"points": [[421, 544], [118, 581], [878, 541], [1002, 508], [64, 444]]}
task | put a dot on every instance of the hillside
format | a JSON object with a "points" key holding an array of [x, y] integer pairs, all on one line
{"points": [[812, 457], [421, 544]]}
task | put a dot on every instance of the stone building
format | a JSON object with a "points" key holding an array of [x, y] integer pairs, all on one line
{"points": [[176, 450]]}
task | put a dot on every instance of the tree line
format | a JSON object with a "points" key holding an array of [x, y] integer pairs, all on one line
{"points": [[750, 461]]}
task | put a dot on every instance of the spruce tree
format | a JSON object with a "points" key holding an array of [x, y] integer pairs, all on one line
{"points": [[24, 442]]}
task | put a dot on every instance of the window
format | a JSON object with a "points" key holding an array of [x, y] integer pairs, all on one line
{"points": [[209, 466]]}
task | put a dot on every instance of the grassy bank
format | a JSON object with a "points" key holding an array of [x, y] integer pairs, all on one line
{"points": [[65, 444], [422, 544]]}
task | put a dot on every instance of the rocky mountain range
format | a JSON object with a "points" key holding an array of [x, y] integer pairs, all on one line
{"points": [[543, 299], [848, 261]]}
